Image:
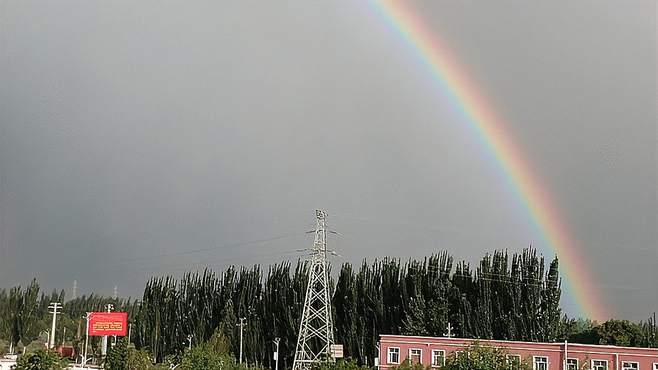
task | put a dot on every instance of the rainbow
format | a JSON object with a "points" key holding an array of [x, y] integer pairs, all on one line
{"points": [[532, 193]]}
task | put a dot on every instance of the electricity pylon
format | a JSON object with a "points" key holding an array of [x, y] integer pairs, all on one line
{"points": [[316, 331]]}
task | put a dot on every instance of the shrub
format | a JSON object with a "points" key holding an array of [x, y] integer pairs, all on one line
{"points": [[41, 360], [347, 364], [138, 360], [479, 357]]}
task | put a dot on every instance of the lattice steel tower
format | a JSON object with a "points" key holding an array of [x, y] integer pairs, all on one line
{"points": [[316, 330]]}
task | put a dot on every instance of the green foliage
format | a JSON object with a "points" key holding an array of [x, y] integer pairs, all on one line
{"points": [[346, 364], [4, 348], [117, 357], [19, 310], [204, 357], [619, 333], [138, 360], [407, 365], [125, 357], [218, 343], [200, 357], [613, 332], [479, 357], [41, 360]]}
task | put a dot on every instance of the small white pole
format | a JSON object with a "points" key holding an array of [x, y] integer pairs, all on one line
{"points": [[84, 358], [276, 342], [241, 325], [566, 356], [110, 307]]}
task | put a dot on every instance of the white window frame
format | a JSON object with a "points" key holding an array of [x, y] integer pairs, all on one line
{"points": [[596, 359], [420, 355], [443, 357], [388, 355], [623, 365], [572, 359], [534, 362], [655, 366]]}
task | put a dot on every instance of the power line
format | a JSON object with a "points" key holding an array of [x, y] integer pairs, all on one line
{"points": [[186, 267], [261, 256], [224, 246]]}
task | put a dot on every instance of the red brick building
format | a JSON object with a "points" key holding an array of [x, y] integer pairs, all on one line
{"points": [[429, 351]]}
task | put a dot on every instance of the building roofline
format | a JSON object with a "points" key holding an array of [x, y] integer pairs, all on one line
{"points": [[522, 342]]}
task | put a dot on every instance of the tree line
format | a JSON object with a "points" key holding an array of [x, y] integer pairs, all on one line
{"points": [[503, 296]]}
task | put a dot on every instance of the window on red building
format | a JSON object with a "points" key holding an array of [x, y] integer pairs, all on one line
{"points": [[393, 355], [627, 365], [438, 357], [415, 355], [514, 362], [599, 365], [572, 364], [540, 363]]}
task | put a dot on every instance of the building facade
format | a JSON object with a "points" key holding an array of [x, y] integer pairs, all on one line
{"points": [[430, 351]]}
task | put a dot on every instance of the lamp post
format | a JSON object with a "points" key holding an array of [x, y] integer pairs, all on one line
{"points": [[241, 325]]}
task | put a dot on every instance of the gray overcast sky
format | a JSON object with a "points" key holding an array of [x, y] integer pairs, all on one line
{"points": [[129, 130]]}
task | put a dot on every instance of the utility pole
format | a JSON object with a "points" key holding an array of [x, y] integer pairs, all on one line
{"points": [[276, 354], [84, 358], [316, 332], [55, 308], [189, 342], [74, 294], [109, 308], [241, 325]]}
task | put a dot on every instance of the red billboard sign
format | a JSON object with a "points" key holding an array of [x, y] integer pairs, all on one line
{"points": [[108, 323]]}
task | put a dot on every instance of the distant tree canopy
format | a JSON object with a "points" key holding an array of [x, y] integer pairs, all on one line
{"points": [[505, 298], [510, 297]]}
